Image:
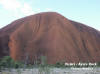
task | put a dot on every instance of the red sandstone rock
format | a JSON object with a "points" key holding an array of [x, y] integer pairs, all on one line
{"points": [[52, 35]]}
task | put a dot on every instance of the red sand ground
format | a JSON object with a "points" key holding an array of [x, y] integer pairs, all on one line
{"points": [[52, 35]]}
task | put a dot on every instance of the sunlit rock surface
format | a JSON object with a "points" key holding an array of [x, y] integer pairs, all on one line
{"points": [[52, 35]]}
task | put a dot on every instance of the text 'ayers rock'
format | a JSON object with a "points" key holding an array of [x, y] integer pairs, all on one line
{"points": [[52, 35]]}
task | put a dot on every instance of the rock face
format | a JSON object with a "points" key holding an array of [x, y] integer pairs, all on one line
{"points": [[52, 35]]}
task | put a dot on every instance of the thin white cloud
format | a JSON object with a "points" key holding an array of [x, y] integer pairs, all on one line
{"points": [[26, 9], [48, 9], [10, 4], [16, 6]]}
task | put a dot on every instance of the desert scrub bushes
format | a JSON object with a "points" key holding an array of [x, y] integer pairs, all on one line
{"points": [[43, 67], [8, 62], [98, 64], [60, 64]]}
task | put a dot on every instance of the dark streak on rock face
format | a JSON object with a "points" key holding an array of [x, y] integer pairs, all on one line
{"points": [[52, 35]]}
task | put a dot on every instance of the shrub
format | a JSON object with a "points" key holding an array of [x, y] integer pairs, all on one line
{"points": [[98, 64], [8, 62], [60, 64]]}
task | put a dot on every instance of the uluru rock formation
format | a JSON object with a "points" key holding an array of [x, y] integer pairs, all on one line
{"points": [[52, 35]]}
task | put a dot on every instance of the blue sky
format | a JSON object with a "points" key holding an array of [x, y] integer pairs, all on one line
{"points": [[84, 11]]}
